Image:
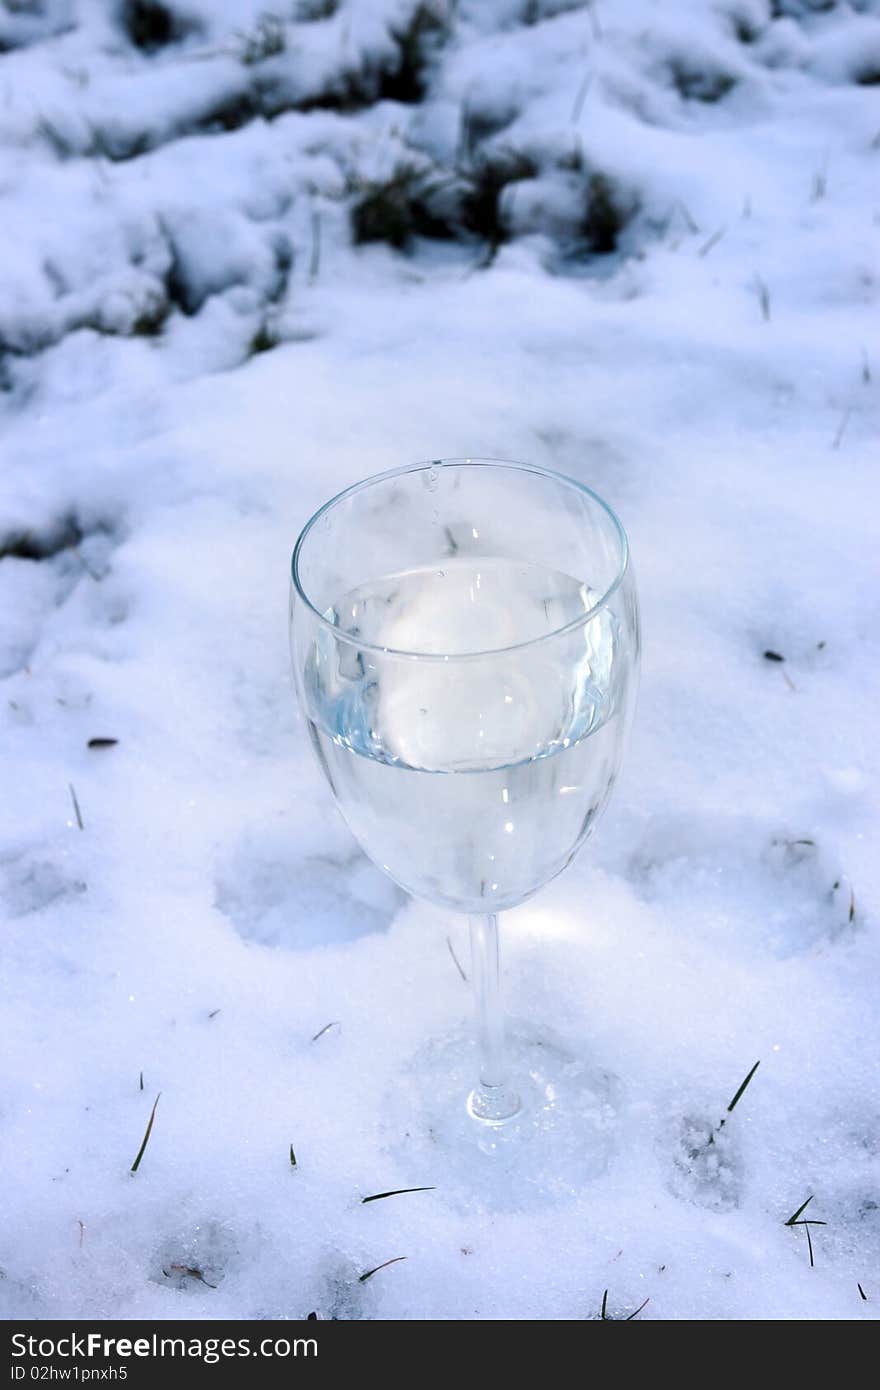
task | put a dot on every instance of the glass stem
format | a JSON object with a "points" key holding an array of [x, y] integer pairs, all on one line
{"points": [[491, 1100]]}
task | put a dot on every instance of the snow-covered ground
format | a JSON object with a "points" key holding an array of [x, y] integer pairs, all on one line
{"points": [[247, 260]]}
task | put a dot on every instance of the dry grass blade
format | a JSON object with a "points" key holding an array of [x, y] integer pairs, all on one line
{"points": [[77, 812], [577, 109], [841, 428], [809, 1242], [148, 1132], [191, 1271], [692, 226], [315, 261], [292, 1157], [713, 241], [458, 965], [638, 1310], [321, 1031], [862, 1292], [368, 1274], [102, 742], [396, 1192]]}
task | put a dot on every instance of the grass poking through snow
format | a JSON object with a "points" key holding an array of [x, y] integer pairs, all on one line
{"points": [[146, 1138], [396, 1192], [841, 428], [795, 1220], [763, 297], [742, 1087], [605, 1316], [458, 965], [368, 1274]]}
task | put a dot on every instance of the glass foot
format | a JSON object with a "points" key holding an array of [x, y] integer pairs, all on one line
{"points": [[493, 1105], [560, 1139]]}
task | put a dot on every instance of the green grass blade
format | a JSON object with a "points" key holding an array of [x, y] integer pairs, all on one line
{"points": [[146, 1138], [397, 1192], [803, 1206], [362, 1278], [740, 1092]]}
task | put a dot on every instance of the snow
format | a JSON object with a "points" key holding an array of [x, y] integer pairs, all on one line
{"points": [[658, 274]]}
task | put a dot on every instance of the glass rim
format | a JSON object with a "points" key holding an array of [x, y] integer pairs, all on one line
{"points": [[464, 462]]}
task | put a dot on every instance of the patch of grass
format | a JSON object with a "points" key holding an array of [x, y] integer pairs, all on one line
{"points": [[151, 25], [699, 82], [386, 211], [231, 113], [266, 40], [744, 27], [311, 10], [264, 340], [417, 42], [65, 534], [485, 180], [461, 203], [407, 205], [150, 323], [607, 213]]}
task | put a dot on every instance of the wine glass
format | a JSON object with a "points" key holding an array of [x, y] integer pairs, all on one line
{"points": [[465, 644]]}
